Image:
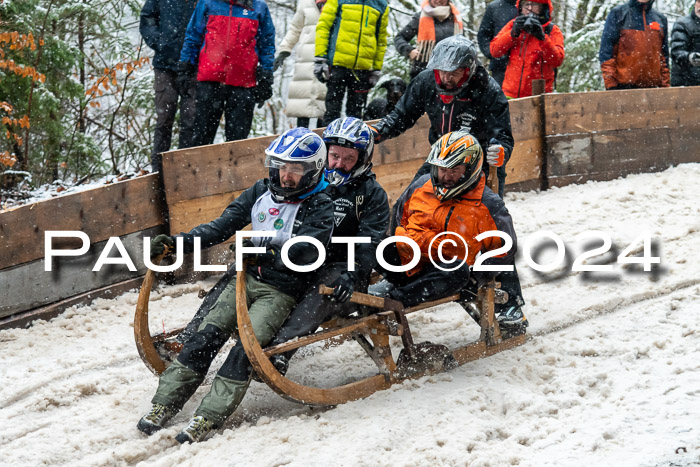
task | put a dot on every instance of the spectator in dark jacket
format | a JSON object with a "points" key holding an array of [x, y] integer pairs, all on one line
{"points": [[497, 15], [230, 45], [685, 49], [163, 24], [436, 20], [634, 47]]}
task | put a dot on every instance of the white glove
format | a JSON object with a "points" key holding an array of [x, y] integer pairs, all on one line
{"points": [[373, 78], [495, 155], [694, 59]]}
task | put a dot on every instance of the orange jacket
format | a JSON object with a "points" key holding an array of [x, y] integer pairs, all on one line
{"points": [[528, 57], [424, 217], [634, 47]]}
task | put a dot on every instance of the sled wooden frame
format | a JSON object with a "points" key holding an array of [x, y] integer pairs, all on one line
{"points": [[378, 327]]}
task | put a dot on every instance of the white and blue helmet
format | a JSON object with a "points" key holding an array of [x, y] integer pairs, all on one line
{"points": [[350, 132], [298, 146]]}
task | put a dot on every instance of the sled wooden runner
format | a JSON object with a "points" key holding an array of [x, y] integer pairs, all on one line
{"points": [[144, 342]]}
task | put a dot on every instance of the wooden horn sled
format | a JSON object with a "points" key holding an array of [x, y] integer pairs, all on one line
{"points": [[371, 332]]}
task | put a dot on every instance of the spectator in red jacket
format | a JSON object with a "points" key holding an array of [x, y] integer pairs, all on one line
{"points": [[230, 47], [535, 47]]}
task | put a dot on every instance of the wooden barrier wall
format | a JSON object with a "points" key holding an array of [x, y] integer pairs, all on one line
{"points": [[128, 209], [604, 135], [560, 139]]}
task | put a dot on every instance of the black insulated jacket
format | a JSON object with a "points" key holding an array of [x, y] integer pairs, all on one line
{"points": [[314, 219]]}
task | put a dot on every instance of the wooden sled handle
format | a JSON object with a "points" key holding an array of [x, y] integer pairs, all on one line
{"points": [[357, 298], [144, 342], [284, 386], [492, 181]]}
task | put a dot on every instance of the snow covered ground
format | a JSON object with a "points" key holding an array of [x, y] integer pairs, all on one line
{"points": [[610, 376]]}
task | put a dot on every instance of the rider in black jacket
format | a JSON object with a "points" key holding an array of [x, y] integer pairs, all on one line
{"points": [[361, 210], [293, 202], [475, 104]]}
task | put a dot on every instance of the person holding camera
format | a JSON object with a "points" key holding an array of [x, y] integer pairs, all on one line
{"points": [[535, 47]]}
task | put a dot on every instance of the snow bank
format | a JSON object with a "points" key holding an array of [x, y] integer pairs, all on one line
{"points": [[609, 377]]}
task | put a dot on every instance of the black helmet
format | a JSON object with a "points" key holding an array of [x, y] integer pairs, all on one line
{"points": [[453, 149], [451, 54]]}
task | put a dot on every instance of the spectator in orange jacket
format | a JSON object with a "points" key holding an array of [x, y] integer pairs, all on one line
{"points": [[535, 47], [452, 204], [634, 47]]}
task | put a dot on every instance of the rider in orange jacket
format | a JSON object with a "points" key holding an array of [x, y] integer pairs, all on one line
{"points": [[443, 212]]}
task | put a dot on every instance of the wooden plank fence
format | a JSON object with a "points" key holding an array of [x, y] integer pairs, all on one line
{"points": [[560, 139]]}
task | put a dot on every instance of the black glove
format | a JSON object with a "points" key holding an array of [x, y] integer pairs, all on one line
{"points": [[321, 69], [271, 257], [158, 244], [343, 287], [186, 74], [263, 90], [279, 60], [533, 27], [518, 26]]}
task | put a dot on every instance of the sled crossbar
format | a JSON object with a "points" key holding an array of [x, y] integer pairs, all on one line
{"points": [[371, 332], [356, 325]]}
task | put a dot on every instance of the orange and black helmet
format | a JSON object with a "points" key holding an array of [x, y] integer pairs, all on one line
{"points": [[453, 149]]}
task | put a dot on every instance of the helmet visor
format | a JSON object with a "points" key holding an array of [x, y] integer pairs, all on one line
{"points": [[296, 168]]}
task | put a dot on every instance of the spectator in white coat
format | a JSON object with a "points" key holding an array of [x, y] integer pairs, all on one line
{"points": [[307, 95]]}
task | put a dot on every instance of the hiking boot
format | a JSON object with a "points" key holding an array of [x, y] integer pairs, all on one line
{"points": [[198, 429], [512, 318], [281, 363], [155, 419]]}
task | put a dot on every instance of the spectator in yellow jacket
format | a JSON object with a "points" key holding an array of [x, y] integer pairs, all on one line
{"points": [[351, 39]]}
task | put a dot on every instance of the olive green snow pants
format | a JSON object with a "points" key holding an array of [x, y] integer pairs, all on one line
{"points": [[268, 309]]}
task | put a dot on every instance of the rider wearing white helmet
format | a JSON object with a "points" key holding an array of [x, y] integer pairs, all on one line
{"points": [[292, 202]]}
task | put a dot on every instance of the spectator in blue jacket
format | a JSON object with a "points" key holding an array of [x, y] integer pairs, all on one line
{"points": [[162, 26], [230, 46]]}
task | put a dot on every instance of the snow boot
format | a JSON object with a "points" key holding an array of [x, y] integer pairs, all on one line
{"points": [[198, 429], [512, 321], [281, 363], [155, 419]]}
